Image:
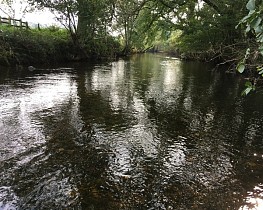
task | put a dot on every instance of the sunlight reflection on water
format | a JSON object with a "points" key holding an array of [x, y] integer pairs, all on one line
{"points": [[254, 201], [21, 107], [150, 132]]}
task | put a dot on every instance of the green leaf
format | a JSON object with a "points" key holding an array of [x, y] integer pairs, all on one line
{"points": [[260, 70], [245, 19], [247, 53], [260, 39], [256, 22], [248, 29], [251, 5], [261, 49], [258, 29], [248, 84], [246, 91], [241, 67], [249, 88]]}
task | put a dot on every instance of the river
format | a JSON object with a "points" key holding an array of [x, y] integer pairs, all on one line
{"points": [[148, 132]]}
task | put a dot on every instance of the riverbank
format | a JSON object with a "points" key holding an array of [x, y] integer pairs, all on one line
{"points": [[49, 45], [33, 46]]}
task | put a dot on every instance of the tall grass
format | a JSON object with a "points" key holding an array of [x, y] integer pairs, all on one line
{"points": [[28, 46]]}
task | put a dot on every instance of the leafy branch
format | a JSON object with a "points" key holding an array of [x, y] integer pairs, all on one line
{"points": [[254, 29]]}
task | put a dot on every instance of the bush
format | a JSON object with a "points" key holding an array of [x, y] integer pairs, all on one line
{"points": [[49, 45], [33, 46]]}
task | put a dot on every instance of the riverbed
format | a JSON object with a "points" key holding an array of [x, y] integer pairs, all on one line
{"points": [[146, 132]]}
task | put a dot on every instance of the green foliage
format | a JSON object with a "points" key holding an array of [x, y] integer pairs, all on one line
{"points": [[253, 23], [209, 32], [128, 23], [34, 46], [204, 31], [106, 47], [87, 22], [49, 45], [249, 87], [241, 65], [251, 5]]}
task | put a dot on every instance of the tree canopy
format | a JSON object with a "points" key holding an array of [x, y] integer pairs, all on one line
{"points": [[200, 29]]}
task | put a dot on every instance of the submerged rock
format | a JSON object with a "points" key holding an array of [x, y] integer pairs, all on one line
{"points": [[31, 68]]}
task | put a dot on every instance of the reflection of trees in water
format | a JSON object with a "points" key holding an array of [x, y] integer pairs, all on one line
{"points": [[66, 170], [135, 139], [195, 163], [101, 114], [54, 179], [212, 128]]}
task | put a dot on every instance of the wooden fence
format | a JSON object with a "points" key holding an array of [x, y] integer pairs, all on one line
{"points": [[14, 22]]}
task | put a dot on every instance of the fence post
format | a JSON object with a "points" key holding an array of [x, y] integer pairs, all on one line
{"points": [[38, 26], [0, 20], [9, 21]]}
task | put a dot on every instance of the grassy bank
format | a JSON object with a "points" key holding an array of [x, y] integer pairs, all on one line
{"points": [[22, 46], [48, 45]]}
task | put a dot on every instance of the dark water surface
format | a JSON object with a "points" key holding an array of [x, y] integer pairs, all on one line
{"points": [[150, 132]]}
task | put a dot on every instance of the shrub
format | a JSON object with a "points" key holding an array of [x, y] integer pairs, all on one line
{"points": [[33, 46]]}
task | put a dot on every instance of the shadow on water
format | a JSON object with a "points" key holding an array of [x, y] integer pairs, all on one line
{"points": [[150, 132]]}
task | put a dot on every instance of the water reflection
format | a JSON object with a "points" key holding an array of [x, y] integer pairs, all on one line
{"points": [[254, 199], [150, 132]]}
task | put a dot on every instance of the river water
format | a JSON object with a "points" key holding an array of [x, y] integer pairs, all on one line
{"points": [[149, 132]]}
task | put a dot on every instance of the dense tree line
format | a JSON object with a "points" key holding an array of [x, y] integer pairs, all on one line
{"points": [[206, 26], [194, 29]]}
